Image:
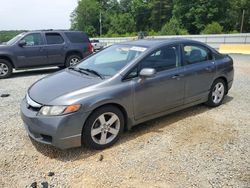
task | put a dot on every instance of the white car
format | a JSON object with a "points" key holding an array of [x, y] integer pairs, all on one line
{"points": [[97, 45]]}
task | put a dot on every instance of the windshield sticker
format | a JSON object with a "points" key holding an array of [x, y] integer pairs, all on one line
{"points": [[137, 48]]}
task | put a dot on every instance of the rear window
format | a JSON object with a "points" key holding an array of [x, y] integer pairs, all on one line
{"points": [[54, 38], [77, 37]]}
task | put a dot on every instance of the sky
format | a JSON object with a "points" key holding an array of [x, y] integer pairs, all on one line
{"points": [[35, 14]]}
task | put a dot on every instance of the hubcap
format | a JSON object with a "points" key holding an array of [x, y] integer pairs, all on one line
{"points": [[105, 128], [3, 69], [74, 61], [218, 93]]}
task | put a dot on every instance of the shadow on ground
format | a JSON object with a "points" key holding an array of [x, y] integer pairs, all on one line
{"points": [[150, 126]]}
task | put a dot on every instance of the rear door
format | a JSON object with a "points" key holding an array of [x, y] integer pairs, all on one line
{"points": [[55, 46], [79, 42], [33, 53], [199, 69]]}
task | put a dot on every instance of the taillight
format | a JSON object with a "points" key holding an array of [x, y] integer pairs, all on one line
{"points": [[90, 48]]}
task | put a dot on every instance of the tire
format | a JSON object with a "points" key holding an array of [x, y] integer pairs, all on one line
{"points": [[97, 135], [217, 93], [6, 69], [72, 60]]}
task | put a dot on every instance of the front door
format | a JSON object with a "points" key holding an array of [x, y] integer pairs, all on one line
{"points": [[32, 54], [163, 91]]}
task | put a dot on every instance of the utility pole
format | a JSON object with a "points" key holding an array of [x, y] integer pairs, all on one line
{"points": [[100, 21], [242, 21]]}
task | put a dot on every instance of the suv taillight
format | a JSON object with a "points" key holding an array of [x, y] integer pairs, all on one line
{"points": [[90, 48]]}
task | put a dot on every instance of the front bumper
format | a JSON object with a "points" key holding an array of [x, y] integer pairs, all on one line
{"points": [[60, 131]]}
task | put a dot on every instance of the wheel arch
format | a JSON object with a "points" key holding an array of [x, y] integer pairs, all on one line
{"points": [[73, 52], [117, 105], [225, 80], [7, 58]]}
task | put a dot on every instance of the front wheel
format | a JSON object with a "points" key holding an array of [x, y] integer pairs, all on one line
{"points": [[103, 128], [5, 68], [217, 93]]}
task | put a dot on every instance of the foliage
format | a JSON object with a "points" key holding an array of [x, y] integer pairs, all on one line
{"points": [[173, 27], [213, 28], [122, 17], [7, 35]]}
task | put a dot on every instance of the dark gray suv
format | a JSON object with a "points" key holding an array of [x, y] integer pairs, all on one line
{"points": [[43, 48], [121, 86]]}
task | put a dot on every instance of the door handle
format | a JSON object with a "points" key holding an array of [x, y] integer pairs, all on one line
{"points": [[209, 69], [177, 76]]}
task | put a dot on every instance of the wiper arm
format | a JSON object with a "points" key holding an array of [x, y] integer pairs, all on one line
{"points": [[78, 70], [93, 72]]}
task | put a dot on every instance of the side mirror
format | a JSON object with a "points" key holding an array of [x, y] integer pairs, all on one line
{"points": [[22, 43], [147, 72]]}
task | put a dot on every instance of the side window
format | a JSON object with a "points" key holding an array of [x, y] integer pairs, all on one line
{"points": [[34, 39], [163, 59], [195, 54], [77, 37], [54, 38], [132, 74]]}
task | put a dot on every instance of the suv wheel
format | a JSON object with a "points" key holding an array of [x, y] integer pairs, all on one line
{"points": [[103, 128], [72, 60], [217, 93], [5, 68]]}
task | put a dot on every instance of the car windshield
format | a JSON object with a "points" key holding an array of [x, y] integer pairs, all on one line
{"points": [[111, 60], [13, 40]]}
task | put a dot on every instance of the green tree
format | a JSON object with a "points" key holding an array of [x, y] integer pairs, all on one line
{"points": [[213, 28], [173, 27], [161, 12], [122, 23], [196, 14], [86, 16]]}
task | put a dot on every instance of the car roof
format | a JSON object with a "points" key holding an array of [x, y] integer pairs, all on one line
{"points": [[149, 43], [51, 30]]}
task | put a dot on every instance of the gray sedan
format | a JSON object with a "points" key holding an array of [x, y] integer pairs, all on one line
{"points": [[93, 102]]}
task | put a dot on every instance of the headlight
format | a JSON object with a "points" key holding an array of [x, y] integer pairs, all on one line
{"points": [[58, 110]]}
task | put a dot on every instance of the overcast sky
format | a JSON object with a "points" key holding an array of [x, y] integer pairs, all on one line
{"points": [[35, 14]]}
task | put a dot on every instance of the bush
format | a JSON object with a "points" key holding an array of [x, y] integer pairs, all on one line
{"points": [[213, 28], [173, 27]]}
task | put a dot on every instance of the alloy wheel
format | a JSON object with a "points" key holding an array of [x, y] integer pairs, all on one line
{"points": [[74, 61], [218, 92], [3, 69], [105, 128]]}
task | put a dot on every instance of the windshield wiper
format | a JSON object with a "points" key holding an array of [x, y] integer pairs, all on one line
{"points": [[93, 72], [78, 70]]}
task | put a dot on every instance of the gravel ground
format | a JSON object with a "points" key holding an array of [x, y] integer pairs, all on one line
{"points": [[196, 147]]}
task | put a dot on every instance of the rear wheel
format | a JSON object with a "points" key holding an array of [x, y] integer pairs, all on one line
{"points": [[217, 93], [5, 68], [72, 60], [103, 128]]}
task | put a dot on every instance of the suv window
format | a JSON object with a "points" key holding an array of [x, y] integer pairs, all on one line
{"points": [[77, 37], [54, 38], [195, 54], [162, 59], [33, 39]]}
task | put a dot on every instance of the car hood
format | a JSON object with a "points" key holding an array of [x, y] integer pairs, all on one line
{"points": [[59, 84]]}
